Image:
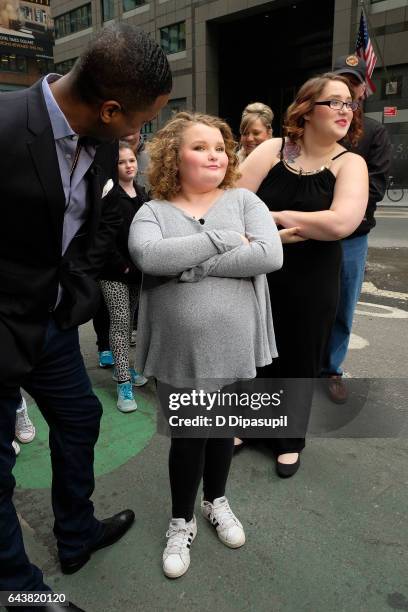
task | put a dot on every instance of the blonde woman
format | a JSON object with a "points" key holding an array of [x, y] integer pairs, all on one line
{"points": [[255, 128]]}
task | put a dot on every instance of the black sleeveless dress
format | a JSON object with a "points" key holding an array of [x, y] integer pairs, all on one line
{"points": [[304, 292]]}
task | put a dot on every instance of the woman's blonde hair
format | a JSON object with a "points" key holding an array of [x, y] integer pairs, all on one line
{"points": [[253, 111], [294, 124], [164, 150]]}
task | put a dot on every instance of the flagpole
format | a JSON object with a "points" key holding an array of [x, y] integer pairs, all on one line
{"points": [[365, 11]]}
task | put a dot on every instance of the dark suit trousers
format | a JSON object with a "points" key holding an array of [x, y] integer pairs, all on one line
{"points": [[62, 390]]}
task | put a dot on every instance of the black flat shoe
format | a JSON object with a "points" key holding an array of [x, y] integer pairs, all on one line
{"points": [[114, 528], [286, 470]]}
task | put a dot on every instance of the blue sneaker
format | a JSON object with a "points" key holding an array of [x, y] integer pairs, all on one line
{"points": [[106, 359], [126, 401], [138, 380]]}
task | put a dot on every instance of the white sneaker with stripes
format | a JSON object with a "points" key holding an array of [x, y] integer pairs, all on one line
{"points": [[228, 527], [176, 555]]}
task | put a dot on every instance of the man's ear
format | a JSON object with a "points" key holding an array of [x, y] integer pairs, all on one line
{"points": [[108, 110]]}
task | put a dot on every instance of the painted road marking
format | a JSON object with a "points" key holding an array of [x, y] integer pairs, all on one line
{"points": [[389, 312], [357, 342], [122, 436], [370, 288], [392, 214]]}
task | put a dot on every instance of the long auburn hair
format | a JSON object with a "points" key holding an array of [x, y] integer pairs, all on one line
{"points": [[294, 123], [164, 153]]}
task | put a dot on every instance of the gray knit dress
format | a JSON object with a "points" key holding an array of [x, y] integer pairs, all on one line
{"points": [[204, 315]]}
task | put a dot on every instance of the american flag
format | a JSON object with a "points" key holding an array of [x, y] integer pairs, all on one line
{"points": [[364, 49]]}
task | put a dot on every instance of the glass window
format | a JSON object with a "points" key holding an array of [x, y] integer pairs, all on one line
{"points": [[64, 67], [85, 21], [172, 107], [173, 37], [21, 63], [40, 16], [13, 63], [129, 5], [147, 128], [74, 21], [108, 10], [26, 12], [45, 65]]}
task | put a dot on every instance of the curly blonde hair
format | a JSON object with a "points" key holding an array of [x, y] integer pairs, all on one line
{"points": [[304, 102], [164, 153]]}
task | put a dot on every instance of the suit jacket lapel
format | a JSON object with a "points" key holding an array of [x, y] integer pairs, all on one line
{"points": [[95, 194], [44, 156]]}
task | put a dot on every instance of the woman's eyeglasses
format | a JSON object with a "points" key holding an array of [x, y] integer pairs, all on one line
{"points": [[339, 104]]}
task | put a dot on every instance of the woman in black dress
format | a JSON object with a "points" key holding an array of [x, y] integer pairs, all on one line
{"points": [[311, 182]]}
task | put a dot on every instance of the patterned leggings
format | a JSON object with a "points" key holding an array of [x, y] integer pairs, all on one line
{"points": [[121, 300]]}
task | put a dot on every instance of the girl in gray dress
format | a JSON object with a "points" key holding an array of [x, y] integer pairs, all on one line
{"points": [[204, 316]]}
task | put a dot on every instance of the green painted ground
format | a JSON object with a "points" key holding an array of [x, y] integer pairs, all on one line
{"points": [[122, 437]]}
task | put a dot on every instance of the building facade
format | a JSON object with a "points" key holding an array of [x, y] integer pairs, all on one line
{"points": [[227, 53], [388, 27], [26, 42]]}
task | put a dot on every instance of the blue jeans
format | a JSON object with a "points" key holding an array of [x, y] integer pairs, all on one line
{"points": [[352, 276], [62, 390]]}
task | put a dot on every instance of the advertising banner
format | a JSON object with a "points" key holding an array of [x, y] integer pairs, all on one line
{"points": [[26, 28]]}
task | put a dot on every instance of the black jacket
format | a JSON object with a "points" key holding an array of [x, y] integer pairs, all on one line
{"points": [[32, 205], [375, 148], [119, 258]]}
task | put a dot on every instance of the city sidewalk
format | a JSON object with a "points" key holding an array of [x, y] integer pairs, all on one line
{"points": [[331, 539], [403, 203]]}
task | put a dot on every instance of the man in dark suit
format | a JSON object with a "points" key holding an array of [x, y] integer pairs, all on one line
{"points": [[58, 223]]}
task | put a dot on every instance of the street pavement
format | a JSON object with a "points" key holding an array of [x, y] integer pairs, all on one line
{"points": [[403, 203], [392, 228], [378, 348], [332, 539]]}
